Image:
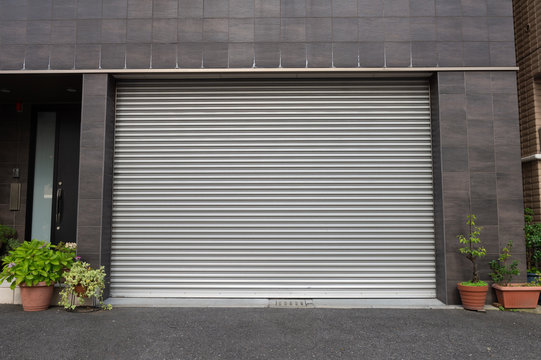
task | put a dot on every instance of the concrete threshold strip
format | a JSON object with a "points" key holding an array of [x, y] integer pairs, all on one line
{"points": [[284, 303]]}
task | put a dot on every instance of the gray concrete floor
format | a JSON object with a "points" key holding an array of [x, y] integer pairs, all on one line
{"points": [[256, 333]]}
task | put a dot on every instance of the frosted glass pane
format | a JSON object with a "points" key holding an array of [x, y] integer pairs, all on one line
{"points": [[43, 176]]}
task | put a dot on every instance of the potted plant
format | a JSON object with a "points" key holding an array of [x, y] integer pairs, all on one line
{"points": [[35, 266], [473, 293], [512, 295], [532, 233], [82, 282]]}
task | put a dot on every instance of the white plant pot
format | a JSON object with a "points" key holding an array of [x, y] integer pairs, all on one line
{"points": [[7, 295]]}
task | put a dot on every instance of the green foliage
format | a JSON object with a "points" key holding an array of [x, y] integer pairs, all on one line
{"points": [[472, 248], [92, 281], [35, 261], [501, 308], [7, 232], [470, 283], [472, 239], [8, 240], [502, 272], [13, 244], [532, 234]]}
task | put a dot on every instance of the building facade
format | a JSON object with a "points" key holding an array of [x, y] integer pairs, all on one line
{"points": [[263, 149]]}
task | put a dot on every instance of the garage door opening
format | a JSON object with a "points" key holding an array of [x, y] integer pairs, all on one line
{"points": [[273, 189]]}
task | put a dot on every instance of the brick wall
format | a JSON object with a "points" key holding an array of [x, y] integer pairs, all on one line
{"points": [[528, 42]]}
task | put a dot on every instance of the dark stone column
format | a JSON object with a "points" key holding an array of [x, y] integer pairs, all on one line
{"points": [[96, 170], [477, 141]]}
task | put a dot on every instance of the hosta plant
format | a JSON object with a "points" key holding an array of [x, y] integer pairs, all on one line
{"points": [[33, 262], [82, 282]]}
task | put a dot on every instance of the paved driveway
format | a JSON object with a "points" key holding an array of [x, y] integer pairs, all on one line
{"points": [[249, 333]]}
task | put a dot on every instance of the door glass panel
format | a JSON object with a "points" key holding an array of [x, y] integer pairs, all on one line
{"points": [[43, 176]]}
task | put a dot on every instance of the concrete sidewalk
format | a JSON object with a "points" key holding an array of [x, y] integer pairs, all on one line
{"points": [[233, 333]]}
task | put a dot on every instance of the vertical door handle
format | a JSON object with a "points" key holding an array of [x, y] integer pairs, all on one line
{"points": [[59, 205]]}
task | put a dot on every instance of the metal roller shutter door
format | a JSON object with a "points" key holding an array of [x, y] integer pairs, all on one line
{"points": [[305, 189]]}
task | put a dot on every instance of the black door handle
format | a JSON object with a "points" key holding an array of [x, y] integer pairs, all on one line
{"points": [[59, 205]]}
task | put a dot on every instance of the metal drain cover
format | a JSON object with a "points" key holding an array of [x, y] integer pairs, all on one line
{"points": [[291, 303]]}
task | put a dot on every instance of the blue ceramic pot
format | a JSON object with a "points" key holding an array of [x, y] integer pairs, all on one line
{"points": [[534, 277]]}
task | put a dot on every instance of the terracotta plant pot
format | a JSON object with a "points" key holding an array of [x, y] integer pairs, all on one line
{"points": [[80, 290], [517, 296], [36, 298], [473, 297]]}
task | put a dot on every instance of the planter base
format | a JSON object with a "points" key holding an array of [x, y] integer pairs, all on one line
{"points": [[473, 297], [517, 296]]}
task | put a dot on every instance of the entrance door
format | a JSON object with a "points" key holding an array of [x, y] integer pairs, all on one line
{"points": [[56, 174]]}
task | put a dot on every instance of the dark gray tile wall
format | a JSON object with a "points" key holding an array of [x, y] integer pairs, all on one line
{"points": [[95, 170], [168, 34], [14, 152], [477, 169]]}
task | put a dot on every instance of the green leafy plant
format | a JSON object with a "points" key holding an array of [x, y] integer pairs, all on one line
{"points": [[503, 272], [532, 234], [8, 240], [472, 248], [33, 262], [90, 283]]}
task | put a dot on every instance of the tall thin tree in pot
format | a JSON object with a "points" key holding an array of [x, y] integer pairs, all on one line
{"points": [[474, 292]]}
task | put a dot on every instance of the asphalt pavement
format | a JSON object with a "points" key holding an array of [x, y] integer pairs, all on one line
{"points": [[268, 333]]}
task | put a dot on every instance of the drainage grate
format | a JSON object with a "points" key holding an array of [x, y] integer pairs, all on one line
{"points": [[291, 303]]}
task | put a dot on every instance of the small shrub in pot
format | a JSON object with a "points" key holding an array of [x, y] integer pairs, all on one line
{"points": [[473, 293]]}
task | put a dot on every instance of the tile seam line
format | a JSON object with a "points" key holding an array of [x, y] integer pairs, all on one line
{"points": [[259, 70]]}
